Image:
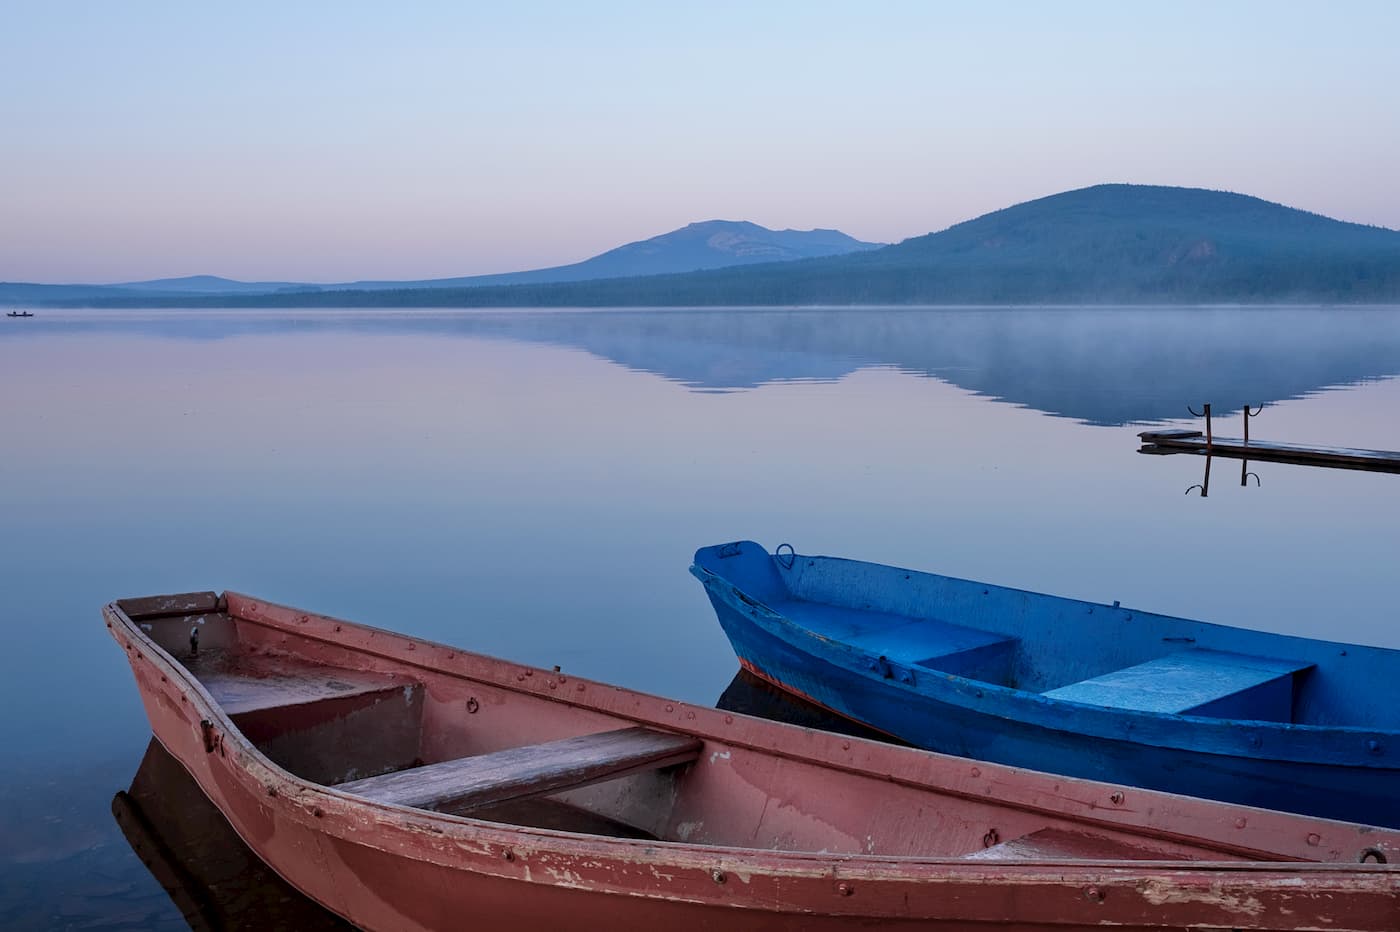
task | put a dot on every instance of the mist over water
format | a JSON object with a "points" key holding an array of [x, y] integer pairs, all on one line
{"points": [[1105, 366], [533, 484]]}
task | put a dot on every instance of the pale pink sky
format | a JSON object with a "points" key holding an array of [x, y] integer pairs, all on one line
{"points": [[324, 142]]}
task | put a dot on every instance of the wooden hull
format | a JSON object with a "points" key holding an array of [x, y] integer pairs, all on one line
{"points": [[392, 867], [1339, 773]]}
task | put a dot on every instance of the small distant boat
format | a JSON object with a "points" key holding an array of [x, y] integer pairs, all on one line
{"points": [[1070, 687], [19, 314], [408, 785]]}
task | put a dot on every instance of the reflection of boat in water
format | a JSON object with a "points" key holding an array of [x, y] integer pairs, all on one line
{"points": [[1101, 691], [19, 314], [750, 695], [214, 879], [410, 785]]}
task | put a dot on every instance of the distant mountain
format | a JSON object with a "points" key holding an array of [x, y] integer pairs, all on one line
{"points": [[212, 284], [35, 293], [712, 244], [190, 286], [1105, 244], [709, 245], [1110, 244], [1137, 242]]}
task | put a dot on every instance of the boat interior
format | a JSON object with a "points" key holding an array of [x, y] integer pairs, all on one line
{"points": [[432, 737], [1065, 649]]}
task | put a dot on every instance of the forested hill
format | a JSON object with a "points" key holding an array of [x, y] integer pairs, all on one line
{"points": [[1105, 244]]}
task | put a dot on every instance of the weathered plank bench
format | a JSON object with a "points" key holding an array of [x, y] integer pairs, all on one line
{"points": [[533, 770], [321, 722], [159, 606], [1195, 682], [283, 683]]}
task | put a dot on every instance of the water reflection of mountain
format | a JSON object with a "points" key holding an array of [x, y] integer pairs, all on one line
{"points": [[1097, 366], [1102, 366]]}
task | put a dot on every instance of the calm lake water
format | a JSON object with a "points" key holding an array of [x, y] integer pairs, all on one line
{"points": [[533, 485]]}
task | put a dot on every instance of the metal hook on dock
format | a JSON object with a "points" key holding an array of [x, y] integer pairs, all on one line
{"points": [[1210, 440], [1244, 467], [1247, 415]]}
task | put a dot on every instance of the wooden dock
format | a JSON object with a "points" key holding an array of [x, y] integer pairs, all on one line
{"points": [[1193, 441]]}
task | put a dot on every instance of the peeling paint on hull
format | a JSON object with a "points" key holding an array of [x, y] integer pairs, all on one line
{"points": [[390, 867]]}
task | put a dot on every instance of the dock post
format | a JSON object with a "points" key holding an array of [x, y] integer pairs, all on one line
{"points": [[1204, 484]]}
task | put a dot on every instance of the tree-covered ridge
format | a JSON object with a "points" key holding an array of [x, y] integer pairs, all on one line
{"points": [[1104, 244]]}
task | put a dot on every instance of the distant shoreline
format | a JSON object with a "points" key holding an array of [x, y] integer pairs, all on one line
{"points": [[737, 308]]}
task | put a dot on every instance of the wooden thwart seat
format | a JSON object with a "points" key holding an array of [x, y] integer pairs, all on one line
{"points": [[928, 642], [1195, 682], [157, 606], [283, 683], [533, 770]]}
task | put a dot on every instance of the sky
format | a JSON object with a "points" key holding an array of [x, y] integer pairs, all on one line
{"points": [[322, 142]]}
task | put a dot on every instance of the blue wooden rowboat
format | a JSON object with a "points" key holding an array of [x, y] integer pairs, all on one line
{"points": [[1070, 687]]}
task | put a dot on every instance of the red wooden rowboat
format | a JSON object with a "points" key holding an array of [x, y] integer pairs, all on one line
{"points": [[409, 785]]}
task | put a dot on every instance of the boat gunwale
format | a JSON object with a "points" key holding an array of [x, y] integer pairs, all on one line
{"points": [[1294, 742], [312, 803]]}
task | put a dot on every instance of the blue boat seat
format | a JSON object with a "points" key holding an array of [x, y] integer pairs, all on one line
{"points": [[925, 642], [1195, 682]]}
